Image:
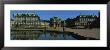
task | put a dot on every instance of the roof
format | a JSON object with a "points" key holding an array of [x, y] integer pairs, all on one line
{"points": [[26, 15]]}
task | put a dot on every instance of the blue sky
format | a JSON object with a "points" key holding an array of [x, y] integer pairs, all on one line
{"points": [[63, 14]]}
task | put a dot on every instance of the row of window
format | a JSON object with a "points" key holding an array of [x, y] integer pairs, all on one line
{"points": [[82, 23], [86, 19], [26, 19], [25, 23]]}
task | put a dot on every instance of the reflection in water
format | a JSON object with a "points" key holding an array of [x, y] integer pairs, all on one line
{"points": [[38, 35]]}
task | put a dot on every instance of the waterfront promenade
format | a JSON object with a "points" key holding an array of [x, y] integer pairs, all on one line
{"points": [[92, 33]]}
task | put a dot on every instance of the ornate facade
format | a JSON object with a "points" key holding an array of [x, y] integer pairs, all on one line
{"points": [[55, 22], [84, 20], [23, 20]]}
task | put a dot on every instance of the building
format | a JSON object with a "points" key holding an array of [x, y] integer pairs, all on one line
{"points": [[84, 20], [44, 23], [81, 21], [12, 23], [55, 22], [23, 20]]}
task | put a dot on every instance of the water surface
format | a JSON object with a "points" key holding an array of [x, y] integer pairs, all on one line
{"points": [[39, 35]]}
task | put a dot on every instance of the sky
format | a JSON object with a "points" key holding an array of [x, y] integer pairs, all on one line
{"points": [[63, 14]]}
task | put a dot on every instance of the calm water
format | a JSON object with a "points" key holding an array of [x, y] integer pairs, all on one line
{"points": [[38, 35]]}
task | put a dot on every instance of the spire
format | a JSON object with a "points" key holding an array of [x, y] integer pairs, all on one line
{"points": [[80, 14], [93, 15]]}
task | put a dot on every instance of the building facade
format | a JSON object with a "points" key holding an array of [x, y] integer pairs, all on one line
{"points": [[23, 20], [55, 22], [82, 21]]}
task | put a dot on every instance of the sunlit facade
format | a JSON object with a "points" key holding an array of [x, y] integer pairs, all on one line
{"points": [[84, 20], [55, 22], [30, 20]]}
